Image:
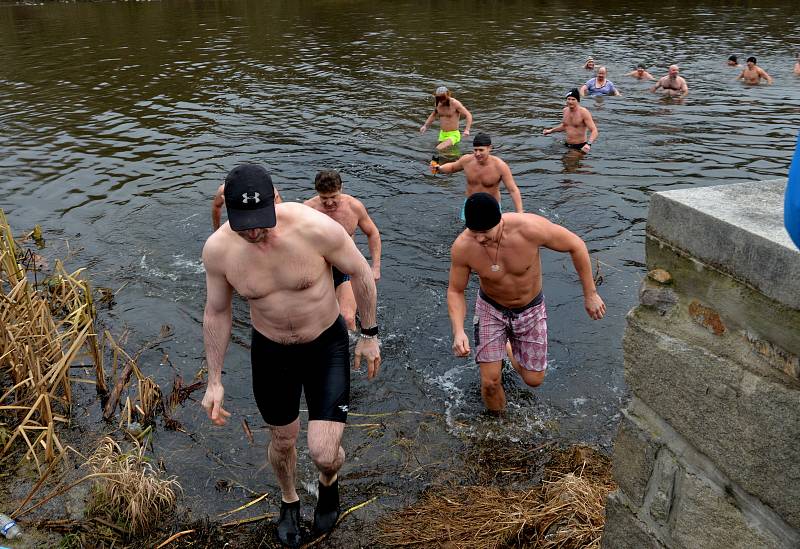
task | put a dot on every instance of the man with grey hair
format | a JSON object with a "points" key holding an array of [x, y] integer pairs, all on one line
{"points": [[672, 84], [449, 110]]}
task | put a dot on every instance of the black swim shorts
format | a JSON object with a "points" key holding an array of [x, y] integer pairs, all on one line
{"points": [[321, 368], [576, 146], [338, 277]]}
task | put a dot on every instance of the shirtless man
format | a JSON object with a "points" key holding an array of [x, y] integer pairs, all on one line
{"points": [[575, 123], [503, 249], [753, 74], [449, 111], [484, 172], [219, 201], [350, 213], [733, 61], [672, 84], [279, 259], [797, 64], [640, 73]]}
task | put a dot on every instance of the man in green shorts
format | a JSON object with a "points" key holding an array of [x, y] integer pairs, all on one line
{"points": [[449, 111]]}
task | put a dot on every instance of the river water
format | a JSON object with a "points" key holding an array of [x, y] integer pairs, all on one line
{"points": [[119, 120]]}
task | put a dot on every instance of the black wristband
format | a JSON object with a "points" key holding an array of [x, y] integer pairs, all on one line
{"points": [[370, 332]]}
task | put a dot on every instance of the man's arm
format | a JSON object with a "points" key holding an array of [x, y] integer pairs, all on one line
{"points": [[456, 302], [341, 252], [216, 330], [369, 228], [559, 128], [684, 87], [658, 85], [216, 207], [468, 115], [556, 237], [589, 121], [583, 90], [451, 167], [428, 122], [511, 186], [614, 90], [763, 74]]}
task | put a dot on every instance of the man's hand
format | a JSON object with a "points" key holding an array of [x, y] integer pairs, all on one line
{"points": [[423, 128], [212, 402], [586, 148], [595, 307], [466, 131], [547, 132], [376, 272], [461, 344], [370, 349]]}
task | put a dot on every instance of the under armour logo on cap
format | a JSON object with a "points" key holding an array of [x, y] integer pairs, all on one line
{"points": [[250, 198]]}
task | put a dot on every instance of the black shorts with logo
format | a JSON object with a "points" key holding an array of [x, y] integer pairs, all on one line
{"points": [[321, 368]]}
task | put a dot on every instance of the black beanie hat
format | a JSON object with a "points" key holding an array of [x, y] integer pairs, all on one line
{"points": [[481, 140], [481, 212]]}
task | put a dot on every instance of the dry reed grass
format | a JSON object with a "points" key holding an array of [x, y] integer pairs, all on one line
{"points": [[566, 512], [129, 488], [44, 328]]}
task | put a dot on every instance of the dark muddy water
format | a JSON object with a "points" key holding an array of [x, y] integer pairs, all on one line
{"points": [[119, 120]]}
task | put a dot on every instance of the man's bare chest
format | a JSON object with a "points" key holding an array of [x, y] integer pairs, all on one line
{"points": [[261, 274]]}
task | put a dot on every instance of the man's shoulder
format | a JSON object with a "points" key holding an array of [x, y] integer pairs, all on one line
{"points": [[218, 243]]}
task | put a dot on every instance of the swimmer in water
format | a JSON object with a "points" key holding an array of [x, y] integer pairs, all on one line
{"points": [[672, 85], [599, 85], [576, 121], [640, 73], [797, 64], [753, 74], [589, 65], [733, 61], [449, 110], [350, 213], [484, 172]]}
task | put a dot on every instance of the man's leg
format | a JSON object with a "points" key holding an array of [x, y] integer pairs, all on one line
{"points": [[324, 444], [531, 378], [492, 386], [283, 458], [446, 144], [325, 447], [347, 304]]}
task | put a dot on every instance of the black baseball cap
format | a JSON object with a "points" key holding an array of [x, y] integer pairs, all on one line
{"points": [[481, 212], [249, 198], [481, 140]]}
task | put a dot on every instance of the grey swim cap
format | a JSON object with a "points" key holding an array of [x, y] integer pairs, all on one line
{"points": [[441, 90]]}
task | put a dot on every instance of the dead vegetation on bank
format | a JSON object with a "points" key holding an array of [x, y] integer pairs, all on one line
{"points": [[566, 511], [48, 331]]}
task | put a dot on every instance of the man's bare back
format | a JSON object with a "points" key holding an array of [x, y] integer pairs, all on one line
{"points": [[286, 278]]}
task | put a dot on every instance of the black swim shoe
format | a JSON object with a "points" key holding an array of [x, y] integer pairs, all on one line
{"points": [[327, 512], [289, 524]]}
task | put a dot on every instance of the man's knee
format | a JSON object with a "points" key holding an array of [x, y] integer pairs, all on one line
{"points": [[283, 440], [491, 384], [533, 379], [324, 456]]}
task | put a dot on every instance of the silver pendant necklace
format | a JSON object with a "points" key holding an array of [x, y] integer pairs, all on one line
{"points": [[496, 266]]}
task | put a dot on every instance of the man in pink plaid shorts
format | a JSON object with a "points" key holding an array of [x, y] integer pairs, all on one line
{"points": [[503, 249]]}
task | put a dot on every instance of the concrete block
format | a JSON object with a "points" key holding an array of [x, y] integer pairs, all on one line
{"points": [[634, 455], [704, 516], [735, 228], [746, 424], [623, 530], [662, 491]]}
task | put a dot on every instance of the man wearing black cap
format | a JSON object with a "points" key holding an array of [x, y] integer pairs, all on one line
{"points": [[218, 202], [575, 122], [279, 259], [484, 172], [449, 110], [503, 249], [753, 74]]}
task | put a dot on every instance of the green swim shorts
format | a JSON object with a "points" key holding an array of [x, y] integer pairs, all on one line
{"points": [[454, 135]]}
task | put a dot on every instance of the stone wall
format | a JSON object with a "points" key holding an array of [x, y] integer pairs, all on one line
{"points": [[708, 452]]}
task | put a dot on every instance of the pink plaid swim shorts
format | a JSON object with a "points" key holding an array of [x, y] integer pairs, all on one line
{"points": [[525, 327]]}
